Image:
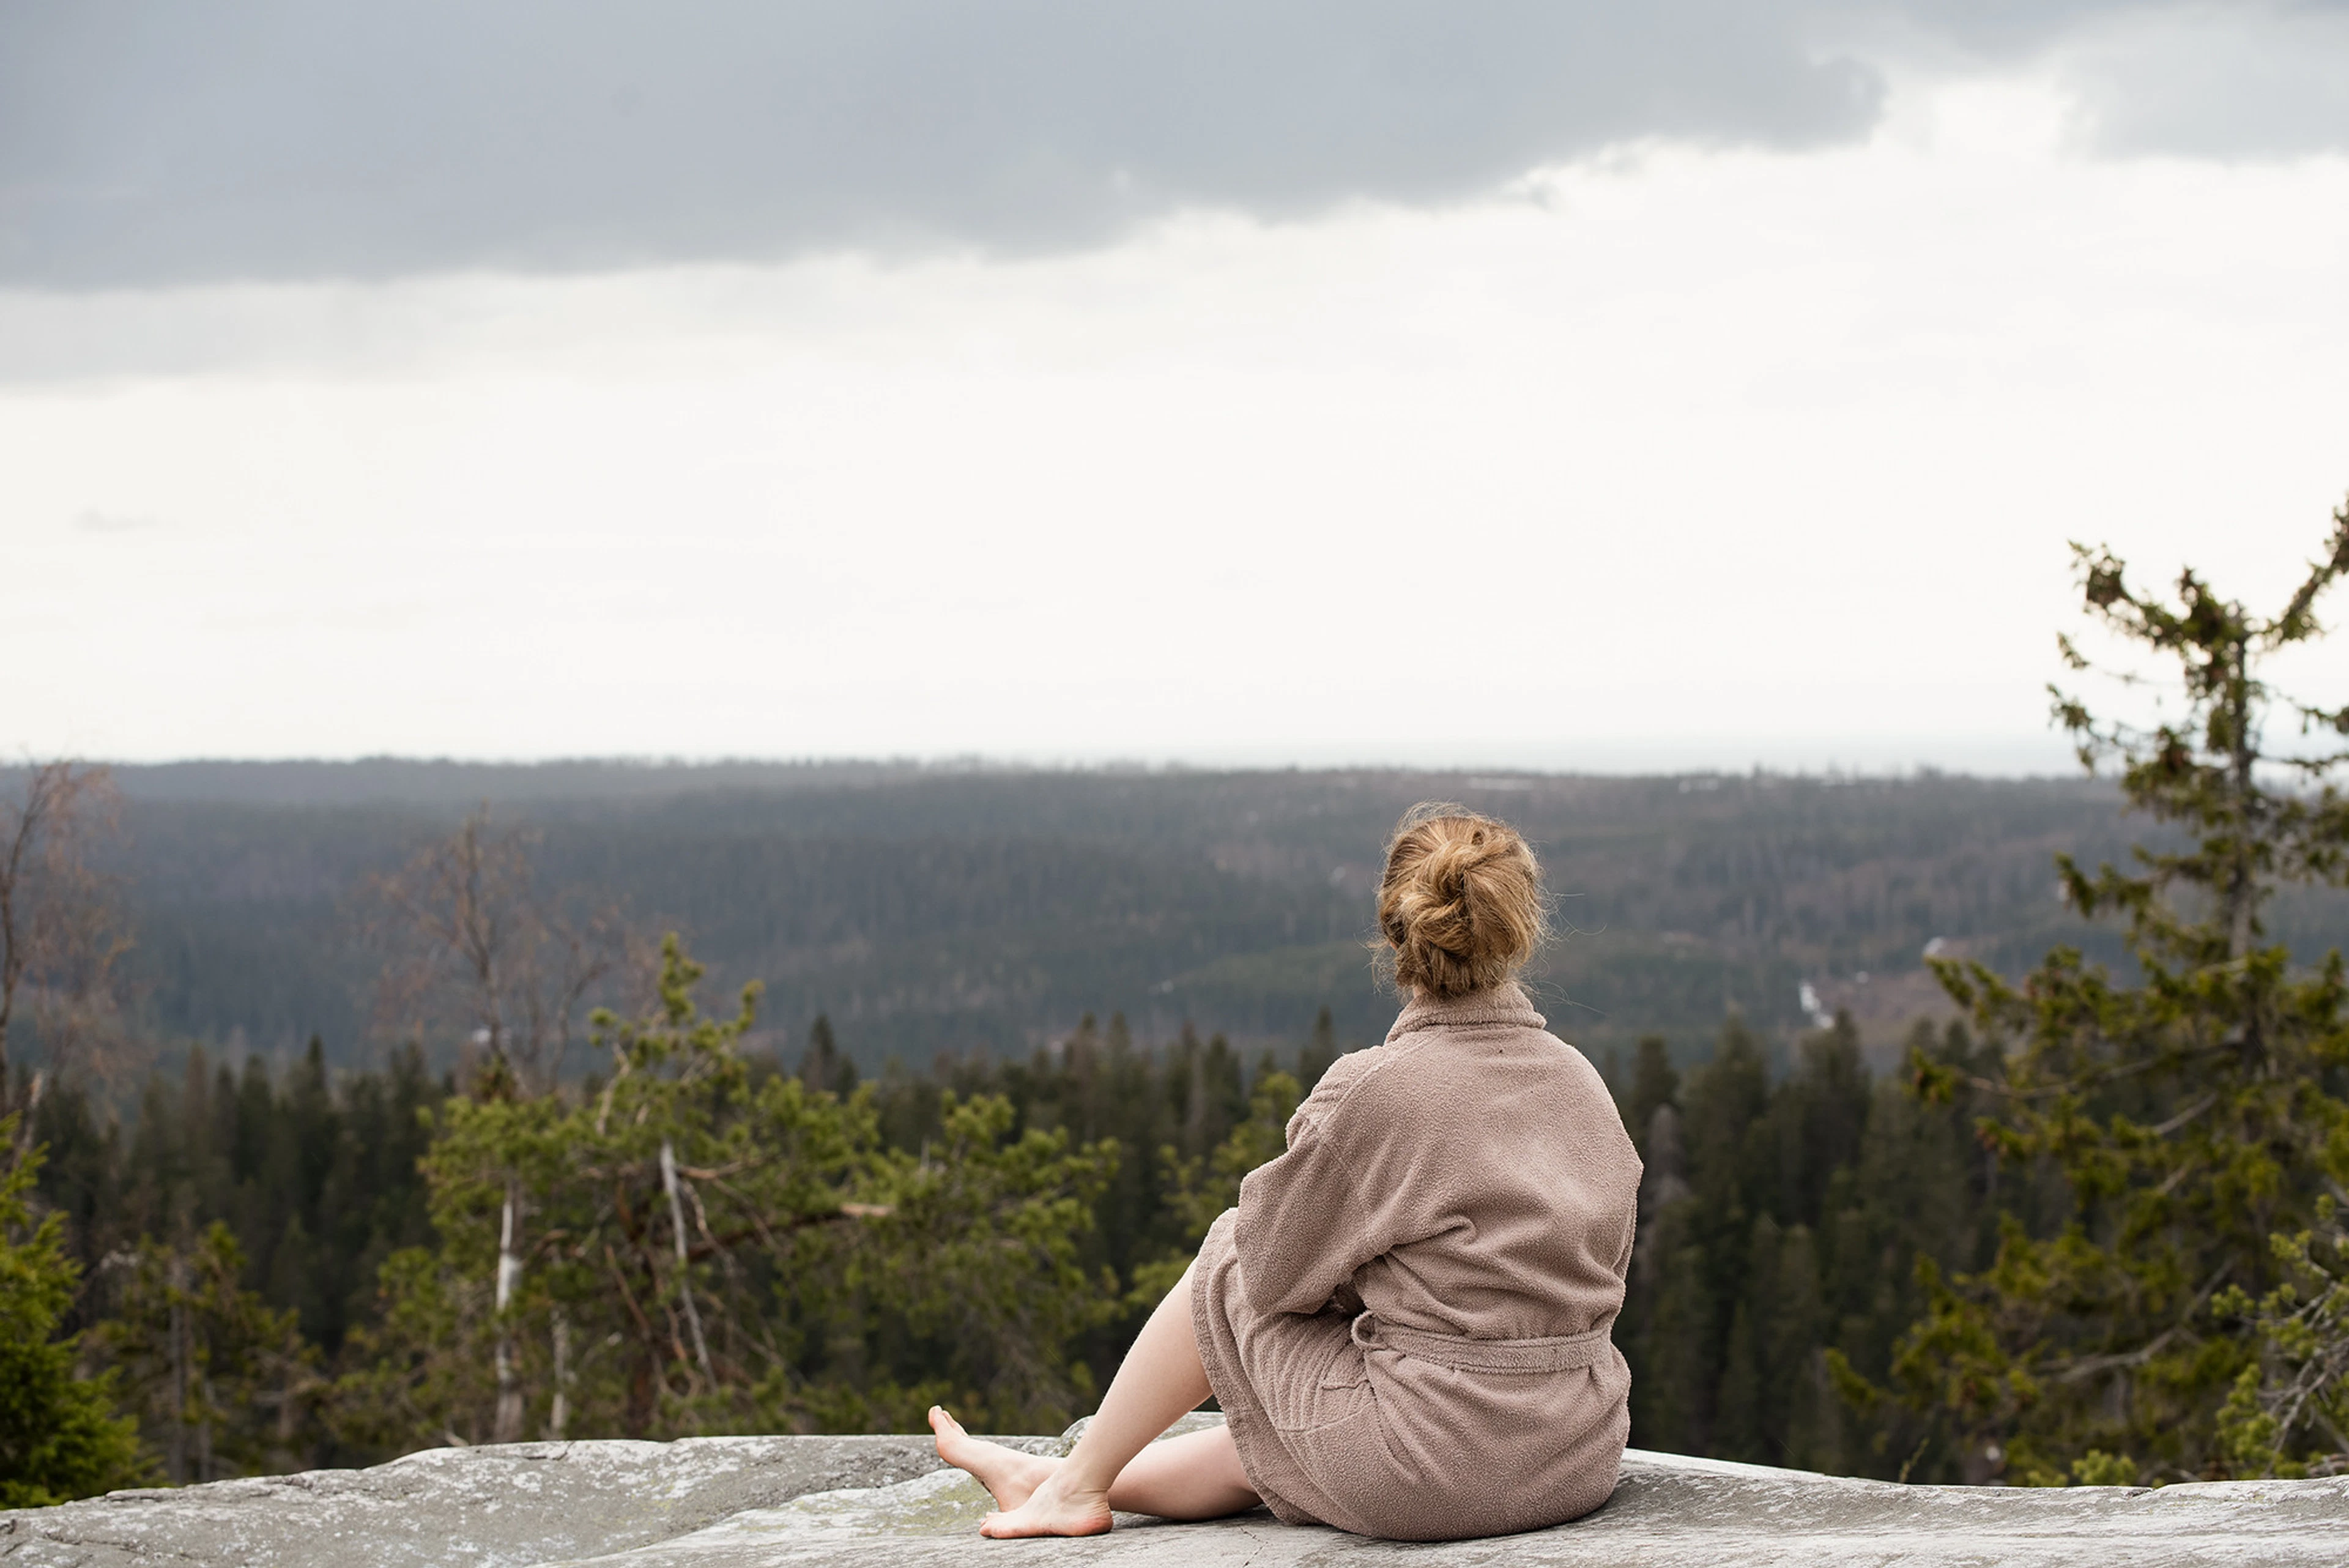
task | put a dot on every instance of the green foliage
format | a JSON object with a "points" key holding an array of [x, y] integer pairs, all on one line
{"points": [[664, 1343], [310, 1183], [1655, 1084], [970, 1271], [419, 1375], [2194, 1122], [854, 1250], [2097, 1467], [1780, 1231], [59, 1435], [823, 1066], [316, 1179], [1198, 1190], [2302, 1383], [711, 1247], [1195, 1197], [222, 1384], [1319, 1053]]}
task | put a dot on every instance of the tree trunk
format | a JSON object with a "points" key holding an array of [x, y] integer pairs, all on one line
{"points": [[2243, 882], [205, 1472], [683, 1284], [507, 1427], [559, 1416], [175, 1462]]}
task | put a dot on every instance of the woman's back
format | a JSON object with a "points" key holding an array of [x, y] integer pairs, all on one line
{"points": [[1412, 1303], [1407, 1318], [1486, 1159]]}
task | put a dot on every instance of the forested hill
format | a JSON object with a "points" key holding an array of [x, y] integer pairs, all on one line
{"points": [[927, 908]]}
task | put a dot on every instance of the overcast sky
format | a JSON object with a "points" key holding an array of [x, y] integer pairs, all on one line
{"points": [[1546, 384]]}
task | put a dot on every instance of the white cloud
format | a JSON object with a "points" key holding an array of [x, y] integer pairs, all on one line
{"points": [[1684, 457]]}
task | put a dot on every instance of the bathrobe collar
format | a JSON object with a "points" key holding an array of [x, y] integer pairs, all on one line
{"points": [[1504, 1005]]}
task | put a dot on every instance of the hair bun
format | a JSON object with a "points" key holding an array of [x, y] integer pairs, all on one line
{"points": [[1461, 902]]}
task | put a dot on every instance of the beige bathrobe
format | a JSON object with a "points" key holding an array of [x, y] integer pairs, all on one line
{"points": [[1407, 1318]]}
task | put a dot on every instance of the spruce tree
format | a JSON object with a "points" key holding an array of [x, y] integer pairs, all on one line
{"points": [[59, 1435], [2194, 1112], [1318, 1053], [1922, 1186], [225, 1382], [1654, 1084], [822, 1068]]}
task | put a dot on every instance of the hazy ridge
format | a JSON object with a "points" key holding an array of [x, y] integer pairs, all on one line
{"points": [[928, 908]]}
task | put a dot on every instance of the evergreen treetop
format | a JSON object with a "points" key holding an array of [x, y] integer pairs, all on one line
{"points": [[2196, 1119], [59, 1436]]}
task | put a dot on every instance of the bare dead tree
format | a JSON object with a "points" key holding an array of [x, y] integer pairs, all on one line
{"points": [[473, 943], [63, 932]]}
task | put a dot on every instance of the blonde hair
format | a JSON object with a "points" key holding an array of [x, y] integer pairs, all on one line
{"points": [[1461, 902]]}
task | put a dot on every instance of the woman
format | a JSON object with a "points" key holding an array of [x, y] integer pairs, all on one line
{"points": [[1405, 1321]]}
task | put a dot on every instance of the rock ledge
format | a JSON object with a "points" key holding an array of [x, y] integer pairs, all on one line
{"points": [[762, 1502]]}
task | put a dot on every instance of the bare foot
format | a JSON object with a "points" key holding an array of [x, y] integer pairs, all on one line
{"points": [[1051, 1513], [1010, 1475]]}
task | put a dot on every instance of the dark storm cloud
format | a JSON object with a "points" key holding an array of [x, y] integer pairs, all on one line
{"points": [[157, 142], [151, 140]]}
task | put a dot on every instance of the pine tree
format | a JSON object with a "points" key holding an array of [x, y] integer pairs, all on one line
{"points": [[717, 1247], [226, 1385], [969, 1272], [1673, 1385], [1818, 1118], [1654, 1084], [59, 1435], [2197, 1118], [1319, 1052], [822, 1068], [1736, 1431], [1922, 1187], [1802, 1421]]}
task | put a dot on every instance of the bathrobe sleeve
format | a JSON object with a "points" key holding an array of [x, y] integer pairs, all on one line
{"points": [[1304, 1226]]}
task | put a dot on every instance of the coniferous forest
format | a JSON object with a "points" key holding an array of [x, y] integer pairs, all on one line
{"points": [[2074, 1219], [263, 1207]]}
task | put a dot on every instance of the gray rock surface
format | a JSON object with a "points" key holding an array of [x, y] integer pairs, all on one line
{"points": [[768, 1502], [508, 1507]]}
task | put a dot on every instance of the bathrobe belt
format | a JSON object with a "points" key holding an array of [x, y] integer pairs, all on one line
{"points": [[1555, 1353]]}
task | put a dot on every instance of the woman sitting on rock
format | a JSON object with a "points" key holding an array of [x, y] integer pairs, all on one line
{"points": [[1405, 1321]]}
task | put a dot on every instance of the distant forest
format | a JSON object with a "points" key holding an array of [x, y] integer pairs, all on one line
{"points": [[929, 910], [1022, 1035]]}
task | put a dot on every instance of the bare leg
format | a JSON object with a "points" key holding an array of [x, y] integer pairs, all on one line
{"points": [[1195, 1477]]}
